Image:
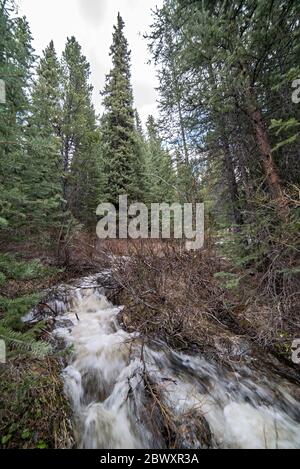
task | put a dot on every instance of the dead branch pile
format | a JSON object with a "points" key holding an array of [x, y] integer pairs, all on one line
{"points": [[173, 296]]}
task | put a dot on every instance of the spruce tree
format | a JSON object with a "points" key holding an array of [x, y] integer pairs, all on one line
{"points": [[43, 175], [142, 155], [80, 140], [159, 170], [16, 59], [235, 65], [47, 93], [121, 147]]}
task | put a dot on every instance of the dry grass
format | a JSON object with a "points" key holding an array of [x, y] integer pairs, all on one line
{"points": [[169, 294], [173, 296]]}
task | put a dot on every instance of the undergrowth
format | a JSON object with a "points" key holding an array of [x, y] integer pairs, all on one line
{"points": [[34, 413]]}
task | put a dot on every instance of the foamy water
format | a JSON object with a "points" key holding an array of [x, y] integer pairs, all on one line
{"points": [[104, 381]]}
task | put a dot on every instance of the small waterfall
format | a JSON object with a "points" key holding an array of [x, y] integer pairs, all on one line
{"points": [[243, 408]]}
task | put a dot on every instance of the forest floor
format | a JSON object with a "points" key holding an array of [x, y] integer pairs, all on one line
{"points": [[168, 294], [31, 389]]}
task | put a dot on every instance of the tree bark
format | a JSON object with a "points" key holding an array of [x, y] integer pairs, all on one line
{"points": [[264, 146], [267, 159], [232, 183]]}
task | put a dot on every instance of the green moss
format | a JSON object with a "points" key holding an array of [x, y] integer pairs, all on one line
{"points": [[34, 411]]}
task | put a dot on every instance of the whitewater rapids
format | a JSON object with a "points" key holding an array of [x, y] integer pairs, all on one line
{"points": [[112, 410]]}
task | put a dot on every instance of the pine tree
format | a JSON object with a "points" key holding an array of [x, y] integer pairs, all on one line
{"points": [[88, 180], [47, 93], [121, 147], [80, 141], [235, 63], [142, 155], [43, 175], [159, 171], [16, 59], [138, 124]]}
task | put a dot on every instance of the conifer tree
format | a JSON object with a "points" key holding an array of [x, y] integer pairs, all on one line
{"points": [[121, 147], [138, 124], [235, 65], [43, 175], [160, 173], [47, 93], [16, 59], [142, 155], [80, 142]]}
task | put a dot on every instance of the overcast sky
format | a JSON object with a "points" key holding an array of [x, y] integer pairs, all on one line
{"points": [[91, 22]]}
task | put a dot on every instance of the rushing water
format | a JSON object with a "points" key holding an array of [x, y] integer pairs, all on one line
{"points": [[112, 409]]}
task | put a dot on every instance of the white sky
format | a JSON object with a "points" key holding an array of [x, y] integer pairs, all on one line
{"points": [[91, 22]]}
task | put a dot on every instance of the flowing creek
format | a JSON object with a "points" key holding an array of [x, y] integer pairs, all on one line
{"points": [[237, 406]]}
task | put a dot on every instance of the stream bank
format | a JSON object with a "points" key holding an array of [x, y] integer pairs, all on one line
{"points": [[128, 393]]}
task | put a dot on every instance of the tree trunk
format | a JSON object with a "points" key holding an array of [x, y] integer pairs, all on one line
{"points": [[232, 183], [178, 97], [264, 146], [229, 164], [182, 130], [267, 159]]}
